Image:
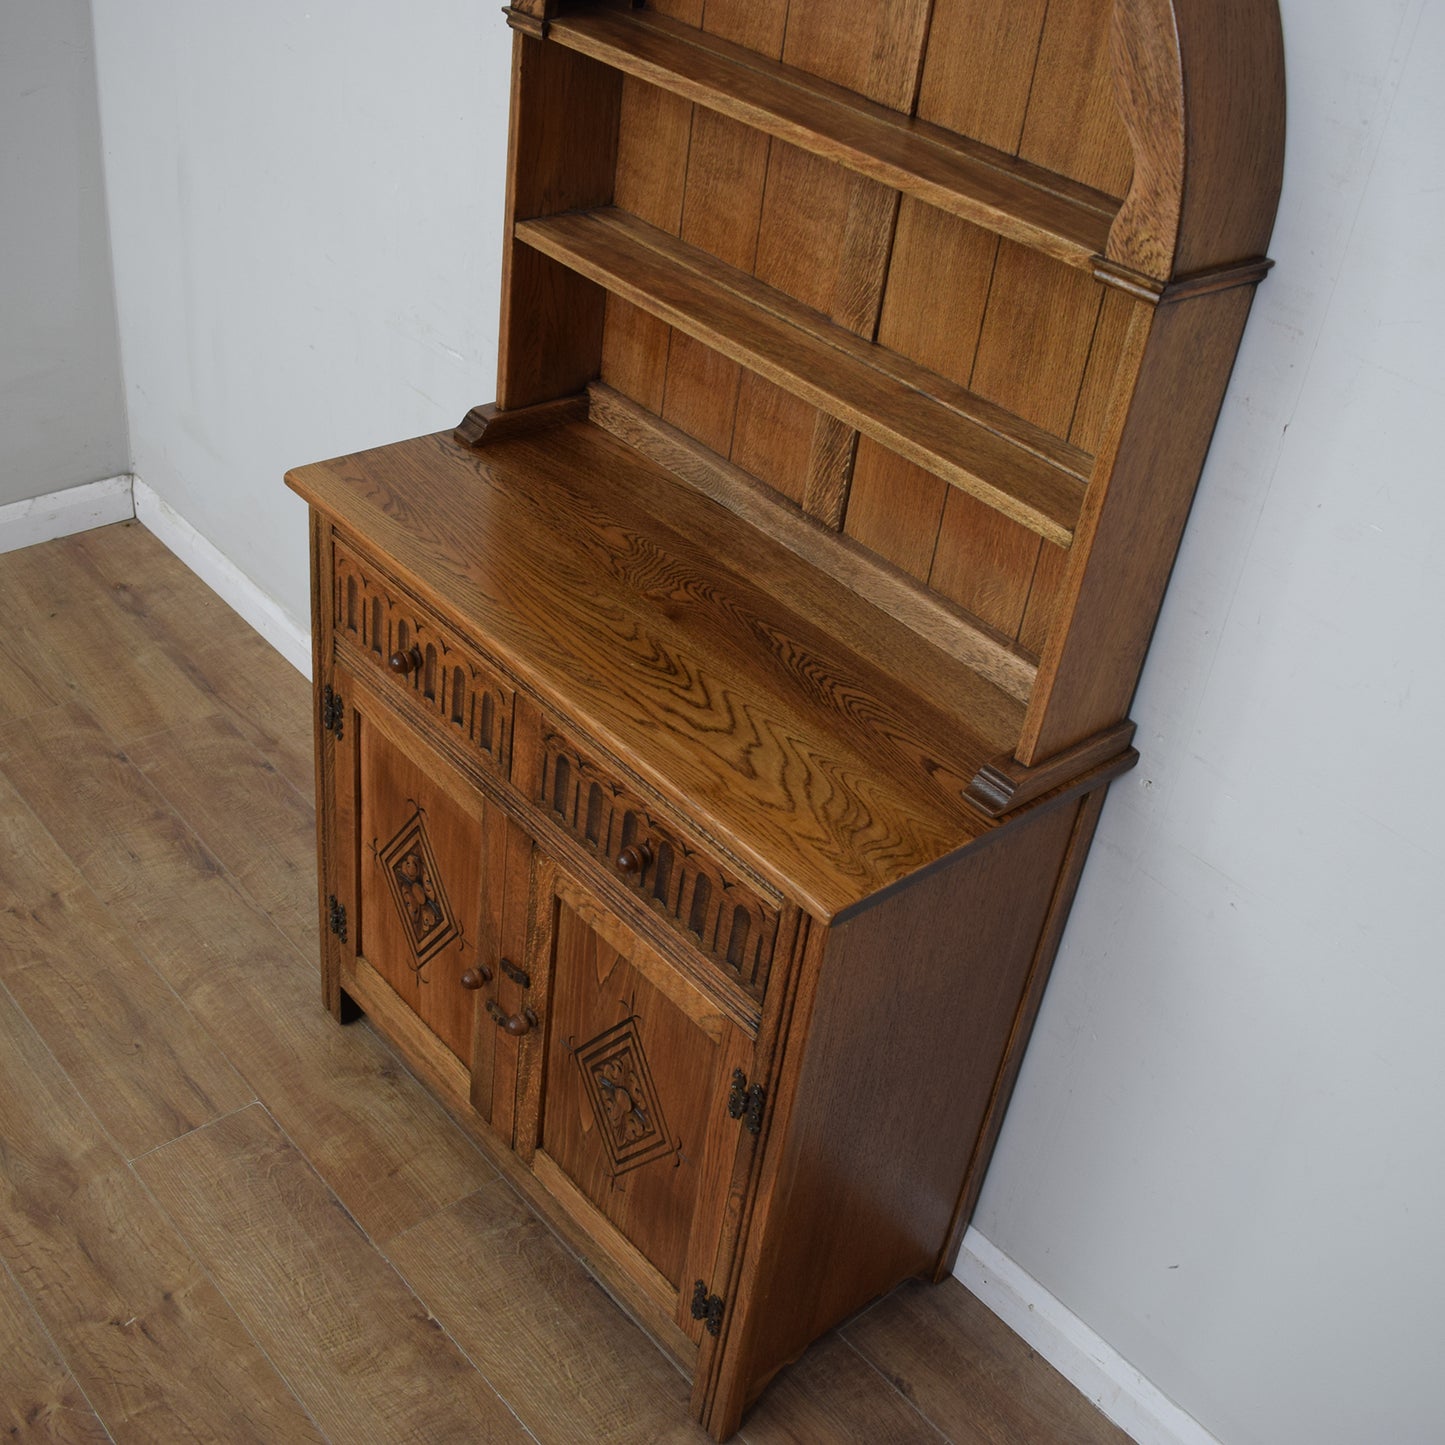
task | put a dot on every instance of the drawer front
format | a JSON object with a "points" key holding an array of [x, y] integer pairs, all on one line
{"points": [[445, 679], [729, 921]]}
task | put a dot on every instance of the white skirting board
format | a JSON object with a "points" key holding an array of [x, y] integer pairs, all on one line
{"points": [[1091, 1365], [58, 514], [118, 499], [224, 578]]}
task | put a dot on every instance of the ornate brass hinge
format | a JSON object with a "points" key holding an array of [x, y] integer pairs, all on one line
{"points": [[707, 1307], [336, 916], [333, 712], [747, 1103]]}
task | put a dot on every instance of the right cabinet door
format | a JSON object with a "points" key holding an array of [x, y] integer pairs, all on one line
{"points": [[633, 1128]]}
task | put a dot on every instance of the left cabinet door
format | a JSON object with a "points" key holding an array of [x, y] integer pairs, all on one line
{"points": [[433, 881]]}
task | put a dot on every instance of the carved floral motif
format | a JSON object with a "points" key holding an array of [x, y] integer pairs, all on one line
{"points": [[417, 889]]}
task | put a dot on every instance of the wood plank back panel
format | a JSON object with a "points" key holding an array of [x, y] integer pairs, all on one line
{"points": [[1015, 326]]}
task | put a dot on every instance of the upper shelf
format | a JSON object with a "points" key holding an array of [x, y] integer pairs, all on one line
{"points": [[1014, 467], [1009, 197]]}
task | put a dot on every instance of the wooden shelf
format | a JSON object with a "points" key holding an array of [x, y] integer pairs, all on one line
{"points": [[1012, 198], [1014, 467]]}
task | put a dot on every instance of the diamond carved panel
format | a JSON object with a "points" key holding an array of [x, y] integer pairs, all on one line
{"points": [[624, 1098], [417, 889]]}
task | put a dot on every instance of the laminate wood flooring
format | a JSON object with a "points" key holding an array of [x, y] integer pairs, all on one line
{"points": [[224, 1217]]}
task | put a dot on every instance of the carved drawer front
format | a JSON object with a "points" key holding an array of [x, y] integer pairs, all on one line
{"points": [[400, 638], [730, 922]]}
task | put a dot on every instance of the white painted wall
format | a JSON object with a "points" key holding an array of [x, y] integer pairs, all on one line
{"points": [[1226, 1153], [62, 417], [306, 212]]}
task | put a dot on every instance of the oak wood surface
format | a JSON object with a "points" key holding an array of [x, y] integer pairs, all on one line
{"points": [[953, 433], [985, 186], [862, 575], [551, 320], [1024, 442], [858, 1159], [566, 1360], [525, 541]]}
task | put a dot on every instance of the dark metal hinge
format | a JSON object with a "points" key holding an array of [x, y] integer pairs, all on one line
{"points": [[747, 1103], [707, 1307], [333, 712], [336, 916]]}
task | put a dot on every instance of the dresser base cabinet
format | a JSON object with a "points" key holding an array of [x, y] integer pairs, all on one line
{"points": [[711, 730], [750, 1119]]}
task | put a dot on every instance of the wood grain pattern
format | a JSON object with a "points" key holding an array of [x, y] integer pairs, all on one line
{"points": [[993, 1391], [559, 159], [155, 1347], [500, 585], [909, 410], [39, 1399], [1157, 446], [980, 66], [860, 1019], [922, 613], [915, 337], [245, 813], [976, 182], [871, 47], [357, 1345], [568, 1362], [1073, 125], [1201, 96], [160, 693], [511, 1294], [722, 197], [825, 1397], [634, 1102], [141, 1061]]}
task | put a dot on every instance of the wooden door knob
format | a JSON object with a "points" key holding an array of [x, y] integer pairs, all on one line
{"points": [[476, 977], [515, 1024], [635, 857], [405, 662]]}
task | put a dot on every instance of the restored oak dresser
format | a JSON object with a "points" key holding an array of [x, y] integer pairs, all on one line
{"points": [[711, 732]]}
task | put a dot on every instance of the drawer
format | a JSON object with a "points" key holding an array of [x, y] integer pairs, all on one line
{"points": [[729, 921], [380, 628]]}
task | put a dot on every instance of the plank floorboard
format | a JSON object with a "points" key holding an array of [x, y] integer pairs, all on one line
{"points": [[157, 1350], [43, 591], [832, 1394], [970, 1374], [39, 1399], [97, 805], [244, 812], [514, 1296], [340, 1323], [131, 1047], [158, 931], [376, 1136]]}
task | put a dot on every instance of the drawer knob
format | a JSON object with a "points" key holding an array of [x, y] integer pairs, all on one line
{"points": [[405, 662], [476, 977], [635, 857], [515, 1024]]}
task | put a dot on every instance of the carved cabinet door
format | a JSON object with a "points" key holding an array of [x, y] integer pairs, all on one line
{"points": [[438, 879], [628, 1112]]}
